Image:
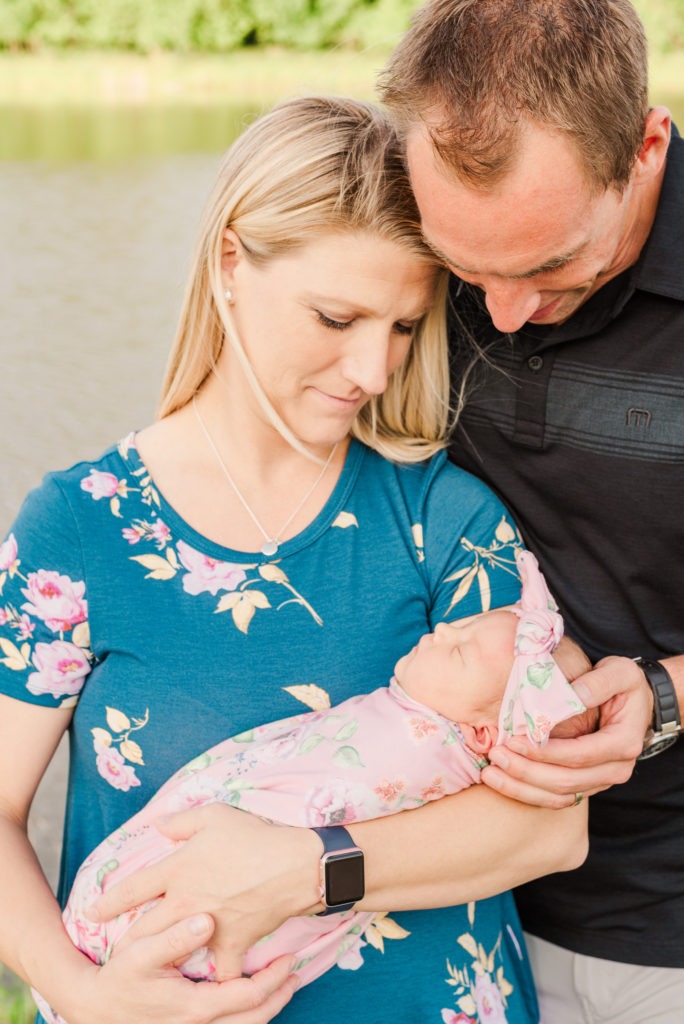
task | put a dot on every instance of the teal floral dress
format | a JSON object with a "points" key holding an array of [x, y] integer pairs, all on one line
{"points": [[165, 643]]}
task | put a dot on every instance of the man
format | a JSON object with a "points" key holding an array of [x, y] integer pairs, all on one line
{"points": [[556, 197]]}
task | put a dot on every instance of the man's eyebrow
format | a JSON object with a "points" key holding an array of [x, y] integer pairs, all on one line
{"points": [[552, 264]]}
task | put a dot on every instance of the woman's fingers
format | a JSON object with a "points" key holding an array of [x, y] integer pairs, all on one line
{"points": [[268, 990], [130, 892]]}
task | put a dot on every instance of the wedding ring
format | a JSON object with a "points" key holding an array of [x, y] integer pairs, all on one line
{"points": [[579, 797]]}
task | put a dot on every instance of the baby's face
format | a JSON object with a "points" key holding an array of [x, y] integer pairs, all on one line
{"points": [[461, 669]]}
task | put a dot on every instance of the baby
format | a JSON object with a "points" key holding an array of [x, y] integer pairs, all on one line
{"points": [[461, 689]]}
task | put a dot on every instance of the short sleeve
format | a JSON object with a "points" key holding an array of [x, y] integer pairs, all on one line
{"points": [[45, 651], [470, 540]]}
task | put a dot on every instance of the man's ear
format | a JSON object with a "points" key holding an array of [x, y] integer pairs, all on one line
{"points": [[232, 252], [651, 156], [480, 738]]}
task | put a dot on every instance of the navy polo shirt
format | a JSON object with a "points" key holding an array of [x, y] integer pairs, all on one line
{"points": [[580, 429]]}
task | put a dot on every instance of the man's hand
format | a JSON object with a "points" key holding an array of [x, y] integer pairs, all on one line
{"points": [[249, 875], [554, 775]]}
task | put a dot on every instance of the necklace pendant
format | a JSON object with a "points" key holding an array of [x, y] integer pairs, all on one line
{"points": [[269, 548]]}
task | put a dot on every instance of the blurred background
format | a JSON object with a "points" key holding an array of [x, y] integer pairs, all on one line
{"points": [[113, 116]]}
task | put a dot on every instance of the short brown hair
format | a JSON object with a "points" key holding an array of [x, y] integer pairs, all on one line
{"points": [[476, 71]]}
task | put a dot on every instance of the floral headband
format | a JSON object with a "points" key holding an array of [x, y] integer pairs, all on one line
{"points": [[537, 695]]}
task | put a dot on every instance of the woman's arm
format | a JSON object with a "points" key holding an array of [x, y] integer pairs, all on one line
{"points": [[139, 985], [251, 875]]}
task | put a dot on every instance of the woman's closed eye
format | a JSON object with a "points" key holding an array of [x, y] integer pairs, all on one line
{"points": [[331, 324], [400, 327]]}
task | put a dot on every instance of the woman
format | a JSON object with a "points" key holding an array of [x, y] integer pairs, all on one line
{"points": [[284, 530]]}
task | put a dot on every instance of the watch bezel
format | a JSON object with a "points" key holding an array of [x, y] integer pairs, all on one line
{"points": [[339, 848], [657, 742], [329, 883]]}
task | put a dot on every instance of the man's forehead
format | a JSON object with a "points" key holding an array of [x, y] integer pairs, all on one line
{"points": [[535, 220]]}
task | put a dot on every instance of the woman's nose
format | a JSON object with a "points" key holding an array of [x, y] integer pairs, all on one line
{"points": [[367, 365]]}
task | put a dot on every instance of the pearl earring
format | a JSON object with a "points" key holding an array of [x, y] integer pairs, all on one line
{"points": [[229, 296]]}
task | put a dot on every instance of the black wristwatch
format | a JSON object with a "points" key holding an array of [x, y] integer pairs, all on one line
{"points": [[342, 880], [666, 725]]}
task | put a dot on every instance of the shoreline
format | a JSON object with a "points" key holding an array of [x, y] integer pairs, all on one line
{"points": [[92, 78]]}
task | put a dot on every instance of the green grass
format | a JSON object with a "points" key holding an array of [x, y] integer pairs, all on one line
{"points": [[16, 1004], [85, 78]]}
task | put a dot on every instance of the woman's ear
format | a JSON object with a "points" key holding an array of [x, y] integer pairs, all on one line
{"points": [[480, 738], [231, 254]]}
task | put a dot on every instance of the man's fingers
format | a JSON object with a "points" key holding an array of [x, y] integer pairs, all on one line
{"points": [[548, 785], [522, 791]]}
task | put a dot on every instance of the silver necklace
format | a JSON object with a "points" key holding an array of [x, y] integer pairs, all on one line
{"points": [[271, 544]]}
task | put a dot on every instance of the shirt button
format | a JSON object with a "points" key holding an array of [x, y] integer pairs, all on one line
{"points": [[535, 363]]}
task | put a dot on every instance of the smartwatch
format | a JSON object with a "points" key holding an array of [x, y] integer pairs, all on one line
{"points": [[666, 725], [342, 880]]}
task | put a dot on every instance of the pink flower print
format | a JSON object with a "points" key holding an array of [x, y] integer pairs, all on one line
{"points": [[541, 728], [133, 534], [207, 574], [490, 1007], [8, 553], [87, 935], [434, 791], [423, 727], [62, 667], [4, 617], [331, 805], [100, 485], [160, 533], [451, 1017], [389, 791], [24, 627], [55, 599], [113, 768]]}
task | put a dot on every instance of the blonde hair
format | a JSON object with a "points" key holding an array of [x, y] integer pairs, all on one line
{"points": [[310, 167], [475, 71]]}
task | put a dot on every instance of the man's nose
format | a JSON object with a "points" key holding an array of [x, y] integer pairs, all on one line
{"points": [[511, 303]]}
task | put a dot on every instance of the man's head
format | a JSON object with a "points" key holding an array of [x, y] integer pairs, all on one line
{"points": [[475, 72], [535, 161]]}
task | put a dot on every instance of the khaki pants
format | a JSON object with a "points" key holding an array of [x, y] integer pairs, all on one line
{"points": [[577, 989]]}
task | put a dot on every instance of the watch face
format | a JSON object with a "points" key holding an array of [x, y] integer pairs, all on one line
{"points": [[344, 881]]}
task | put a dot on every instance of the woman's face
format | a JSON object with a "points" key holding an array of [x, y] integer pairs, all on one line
{"points": [[323, 327]]}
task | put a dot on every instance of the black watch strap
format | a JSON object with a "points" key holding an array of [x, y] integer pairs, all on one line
{"points": [[666, 724], [666, 716]]}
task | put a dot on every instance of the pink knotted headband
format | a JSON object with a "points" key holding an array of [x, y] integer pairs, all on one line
{"points": [[537, 695]]}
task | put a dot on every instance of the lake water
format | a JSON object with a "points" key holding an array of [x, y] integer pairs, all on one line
{"points": [[93, 255]]}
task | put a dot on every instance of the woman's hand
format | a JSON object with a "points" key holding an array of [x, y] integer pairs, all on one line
{"points": [[143, 984], [249, 875], [553, 776]]}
